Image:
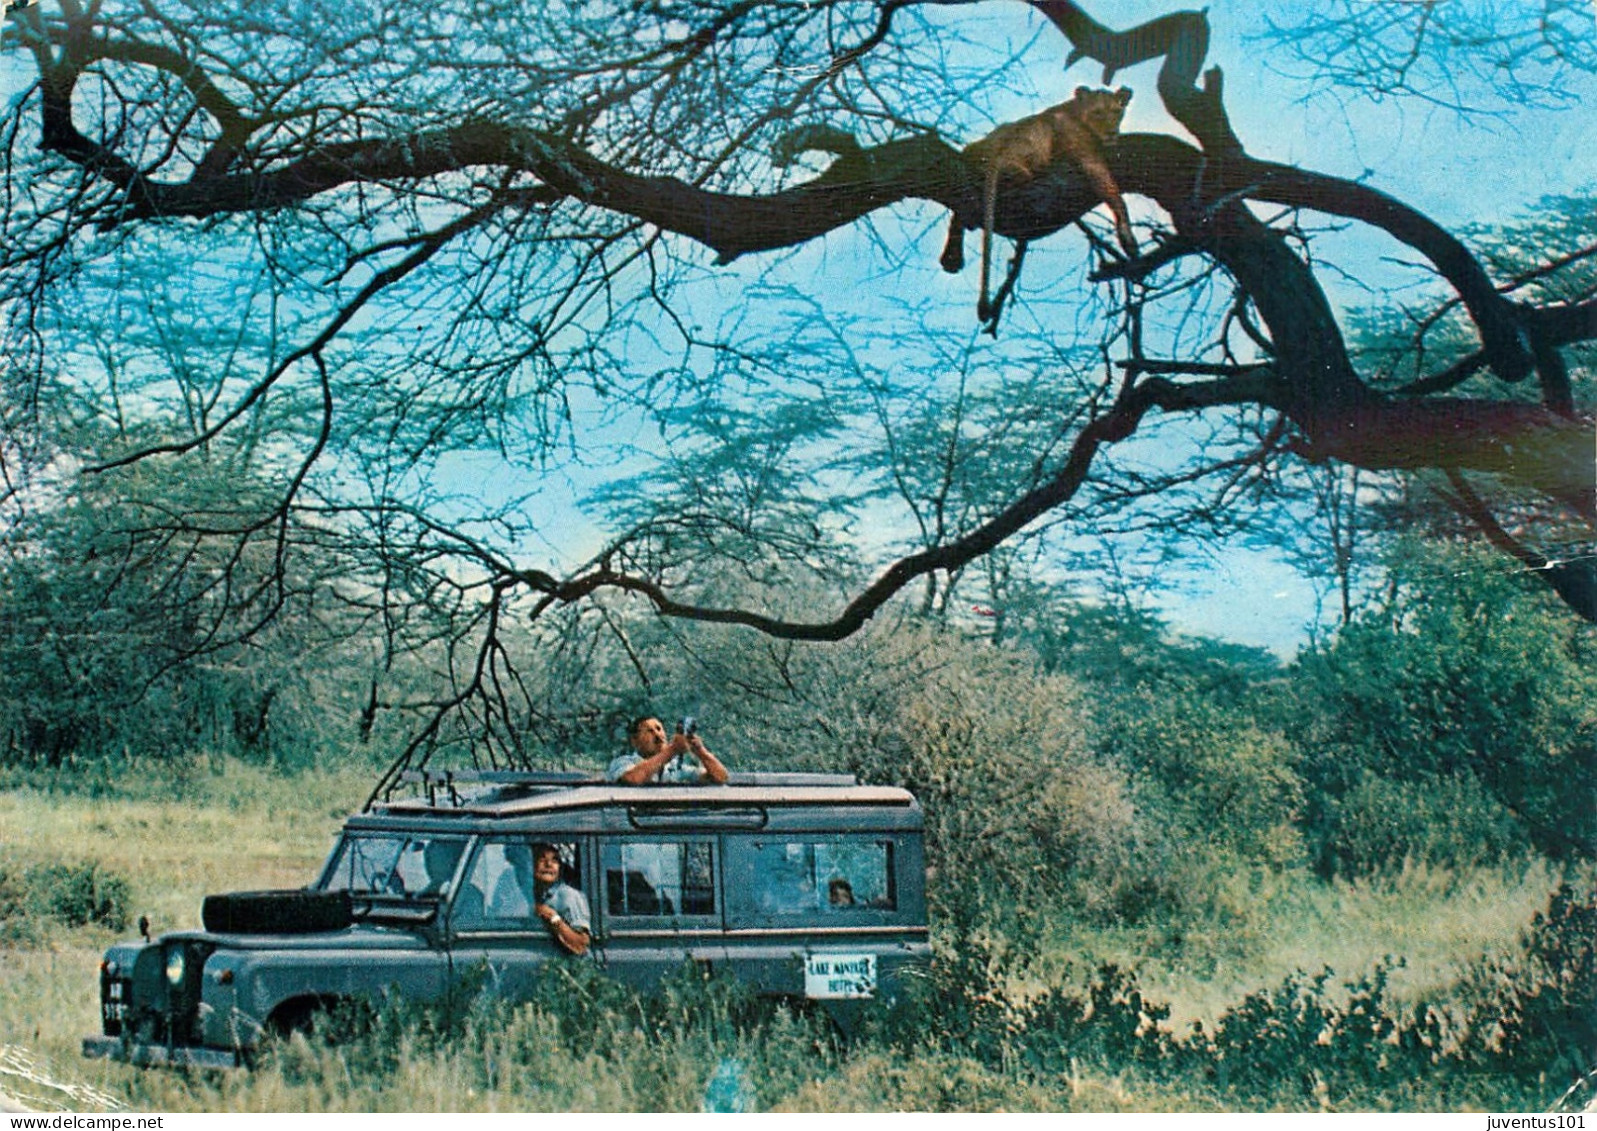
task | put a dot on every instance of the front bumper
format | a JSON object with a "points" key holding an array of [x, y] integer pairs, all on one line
{"points": [[159, 1056]]}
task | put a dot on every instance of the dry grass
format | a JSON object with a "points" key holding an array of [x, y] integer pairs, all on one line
{"points": [[1435, 922], [230, 830]]}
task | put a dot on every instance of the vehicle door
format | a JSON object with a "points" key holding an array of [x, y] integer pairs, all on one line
{"points": [[493, 931], [662, 905], [395, 880]]}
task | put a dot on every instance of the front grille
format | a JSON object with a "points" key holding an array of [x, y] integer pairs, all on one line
{"points": [[182, 1022]]}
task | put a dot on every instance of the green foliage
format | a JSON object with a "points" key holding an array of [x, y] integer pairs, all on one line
{"points": [[74, 895], [1008, 1016], [968, 1038], [1451, 724], [1450, 821], [996, 749], [13, 902], [1213, 772], [1303, 1040], [80, 894], [1514, 1025], [1110, 1024], [966, 986], [1534, 1014], [657, 1052], [1211, 781], [130, 633]]}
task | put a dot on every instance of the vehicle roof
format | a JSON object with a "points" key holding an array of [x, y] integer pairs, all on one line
{"points": [[584, 803]]}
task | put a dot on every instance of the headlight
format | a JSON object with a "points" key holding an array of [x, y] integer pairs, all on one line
{"points": [[175, 965]]}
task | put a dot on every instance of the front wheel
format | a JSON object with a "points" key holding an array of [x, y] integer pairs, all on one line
{"points": [[321, 1020]]}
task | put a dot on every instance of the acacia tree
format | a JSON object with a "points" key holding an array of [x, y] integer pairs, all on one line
{"points": [[387, 253]]}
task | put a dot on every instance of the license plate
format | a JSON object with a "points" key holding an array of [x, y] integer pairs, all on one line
{"points": [[839, 976]]}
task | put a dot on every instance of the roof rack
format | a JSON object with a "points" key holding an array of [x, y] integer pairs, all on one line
{"points": [[449, 782], [784, 777], [532, 782], [564, 778], [500, 777]]}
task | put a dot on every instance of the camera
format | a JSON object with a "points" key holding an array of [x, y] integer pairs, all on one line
{"points": [[686, 725]]}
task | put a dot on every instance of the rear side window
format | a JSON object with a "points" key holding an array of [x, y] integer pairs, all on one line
{"points": [[825, 877], [660, 878]]}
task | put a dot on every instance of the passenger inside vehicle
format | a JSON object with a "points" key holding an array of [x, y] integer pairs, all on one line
{"points": [[512, 897], [507, 870], [469, 905], [439, 859]]}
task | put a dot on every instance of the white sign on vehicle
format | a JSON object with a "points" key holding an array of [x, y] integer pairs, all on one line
{"points": [[839, 975]]}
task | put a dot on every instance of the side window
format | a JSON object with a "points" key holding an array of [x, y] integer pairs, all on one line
{"points": [[395, 865], [826, 877], [500, 889], [660, 878], [364, 864]]}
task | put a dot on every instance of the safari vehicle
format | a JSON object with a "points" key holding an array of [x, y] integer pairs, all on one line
{"points": [[806, 886]]}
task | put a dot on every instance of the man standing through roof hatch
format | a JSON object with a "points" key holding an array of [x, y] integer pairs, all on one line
{"points": [[652, 751]]}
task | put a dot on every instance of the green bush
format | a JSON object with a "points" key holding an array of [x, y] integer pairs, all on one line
{"points": [[78, 894], [585, 1042], [13, 903], [978, 1031], [996, 749], [72, 894], [1461, 703], [1211, 772], [1449, 821], [1534, 1013]]}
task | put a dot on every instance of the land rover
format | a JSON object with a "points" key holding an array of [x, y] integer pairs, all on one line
{"points": [[806, 886]]}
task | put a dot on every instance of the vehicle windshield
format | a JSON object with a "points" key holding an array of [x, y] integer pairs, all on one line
{"points": [[395, 864]]}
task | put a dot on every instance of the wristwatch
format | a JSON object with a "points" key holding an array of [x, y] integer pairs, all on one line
{"points": [[555, 920]]}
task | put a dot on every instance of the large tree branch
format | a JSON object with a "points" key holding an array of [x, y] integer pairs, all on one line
{"points": [[1341, 416], [733, 225], [1575, 581], [426, 247], [1548, 452], [1507, 347], [1338, 413], [1182, 38], [729, 224], [1562, 325], [1134, 402], [1313, 382], [856, 184]]}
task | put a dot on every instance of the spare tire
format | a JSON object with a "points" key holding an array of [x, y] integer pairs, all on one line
{"points": [[292, 912]]}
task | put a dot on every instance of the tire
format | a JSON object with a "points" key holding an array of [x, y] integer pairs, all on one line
{"points": [[321, 1020], [294, 912]]}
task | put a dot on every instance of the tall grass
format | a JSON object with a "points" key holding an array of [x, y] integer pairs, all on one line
{"points": [[1266, 925], [181, 831]]}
